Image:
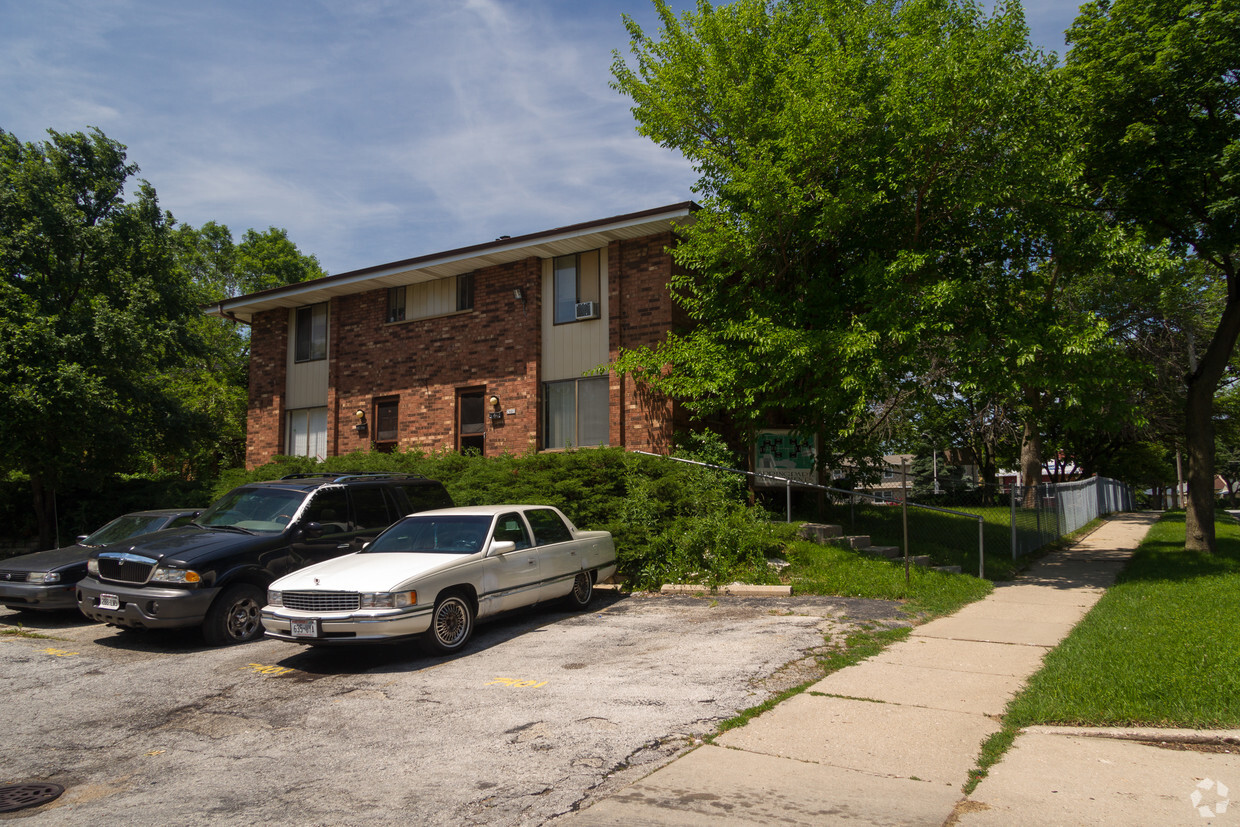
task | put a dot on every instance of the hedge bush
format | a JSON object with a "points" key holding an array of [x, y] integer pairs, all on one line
{"points": [[671, 522]]}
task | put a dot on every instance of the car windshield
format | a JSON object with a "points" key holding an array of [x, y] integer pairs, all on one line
{"points": [[444, 535], [254, 509], [122, 528]]}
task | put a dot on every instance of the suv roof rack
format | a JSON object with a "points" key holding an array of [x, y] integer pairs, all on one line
{"points": [[353, 475]]}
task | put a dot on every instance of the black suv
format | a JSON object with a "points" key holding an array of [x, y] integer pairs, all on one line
{"points": [[214, 572]]}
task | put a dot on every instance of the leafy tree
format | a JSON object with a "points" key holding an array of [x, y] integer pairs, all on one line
{"points": [[92, 313], [946, 419], [1227, 440], [214, 383], [1158, 94], [882, 187], [936, 479]]}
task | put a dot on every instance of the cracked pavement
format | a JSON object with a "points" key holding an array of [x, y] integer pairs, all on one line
{"points": [[545, 711]]}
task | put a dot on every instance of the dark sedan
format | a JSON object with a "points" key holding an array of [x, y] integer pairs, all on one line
{"points": [[45, 580]]}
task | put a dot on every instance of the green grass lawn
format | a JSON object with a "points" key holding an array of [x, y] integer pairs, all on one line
{"points": [[818, 569], [949, 539], [1162, 647]]}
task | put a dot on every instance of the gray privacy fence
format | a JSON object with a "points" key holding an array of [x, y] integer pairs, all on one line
{"points": [[1049, 511]]}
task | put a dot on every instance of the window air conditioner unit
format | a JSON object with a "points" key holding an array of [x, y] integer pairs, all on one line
{"points": [[587, 310]]}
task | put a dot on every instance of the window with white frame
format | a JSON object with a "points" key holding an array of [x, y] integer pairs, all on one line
{"points": [[431, 298], [575, 287], [576, 413], [307, 433], [310, 333]]}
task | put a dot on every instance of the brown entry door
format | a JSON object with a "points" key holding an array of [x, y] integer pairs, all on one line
{"points": [[470, 420]]}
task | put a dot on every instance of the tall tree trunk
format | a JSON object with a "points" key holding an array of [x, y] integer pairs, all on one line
{"points": [[1199, 436], [1031, 462], [1031, 448], [1199, 424]]}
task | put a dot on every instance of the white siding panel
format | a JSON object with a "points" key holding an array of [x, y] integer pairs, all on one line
{"points": [[569, 350], [306, 383], [431, 298]]}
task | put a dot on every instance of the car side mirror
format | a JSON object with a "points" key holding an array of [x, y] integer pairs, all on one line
{"points": [[311, 531], [503, 546]]}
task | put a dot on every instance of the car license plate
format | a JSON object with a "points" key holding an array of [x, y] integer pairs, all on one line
{"points": [[304, 628], [109, 601]]}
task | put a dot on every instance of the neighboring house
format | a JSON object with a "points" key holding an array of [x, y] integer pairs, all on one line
{"points": [[494, 347], [892, 485]]}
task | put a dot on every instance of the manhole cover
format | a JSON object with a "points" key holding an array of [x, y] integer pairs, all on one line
{"points": [[20, 796]]}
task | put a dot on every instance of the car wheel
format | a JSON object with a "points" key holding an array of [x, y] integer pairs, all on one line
{"points": [[452, 623], [583, 591], [235, 616]]}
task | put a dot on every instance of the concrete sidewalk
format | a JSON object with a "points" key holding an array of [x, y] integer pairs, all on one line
{"points": [[891, 740]]}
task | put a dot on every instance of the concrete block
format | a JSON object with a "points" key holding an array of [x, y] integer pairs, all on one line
{"points": [[884, 551], [735, 589], [820, 532]]}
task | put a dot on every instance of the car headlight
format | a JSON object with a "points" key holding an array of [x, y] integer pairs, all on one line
{"points": [[388, 600], [275, 598], [43, 577], [92, 566], [179, 576]]}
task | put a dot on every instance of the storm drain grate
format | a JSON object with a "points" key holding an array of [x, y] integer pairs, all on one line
{"points": [[21, 796]]}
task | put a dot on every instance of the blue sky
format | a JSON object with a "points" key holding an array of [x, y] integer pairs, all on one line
{"points": [[372, 130]]}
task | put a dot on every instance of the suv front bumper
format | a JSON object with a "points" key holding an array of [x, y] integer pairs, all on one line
{"points": [[145, 607]]}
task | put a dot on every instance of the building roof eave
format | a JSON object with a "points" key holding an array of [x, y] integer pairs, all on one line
{"points": [[546, 244]]}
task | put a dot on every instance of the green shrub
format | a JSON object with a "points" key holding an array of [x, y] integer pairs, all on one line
{"points": [[670, 521]]}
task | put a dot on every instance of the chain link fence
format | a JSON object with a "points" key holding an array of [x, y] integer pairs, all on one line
{"points": [[1041, 514], [974, 533]]}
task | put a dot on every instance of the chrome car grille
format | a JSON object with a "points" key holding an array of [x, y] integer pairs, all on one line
{"points": [[322, 601], [12, 576], [125, 568]]}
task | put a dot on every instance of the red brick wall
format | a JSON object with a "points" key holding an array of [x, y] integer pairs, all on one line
{"points": [[268, 357], [496, 348], [642, 312]]}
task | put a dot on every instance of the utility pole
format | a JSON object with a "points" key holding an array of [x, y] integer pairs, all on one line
{"points": [[904, 510], [1179, 484]]}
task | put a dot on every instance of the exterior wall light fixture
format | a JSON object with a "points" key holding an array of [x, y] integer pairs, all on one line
{"points": [[361, 427]]}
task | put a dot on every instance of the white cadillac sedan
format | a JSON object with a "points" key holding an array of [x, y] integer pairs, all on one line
{"points": [[432, 574]]}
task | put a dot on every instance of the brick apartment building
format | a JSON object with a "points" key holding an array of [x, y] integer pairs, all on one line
{"points": [[495, 347]]}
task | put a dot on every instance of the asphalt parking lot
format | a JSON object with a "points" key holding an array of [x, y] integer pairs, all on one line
{"points": [[545, 711]]}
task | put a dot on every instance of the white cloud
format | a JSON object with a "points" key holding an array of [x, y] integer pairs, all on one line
{"points": [[372, 130]]}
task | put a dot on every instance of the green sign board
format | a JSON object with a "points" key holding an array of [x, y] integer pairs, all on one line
{"points": [[780, 453]]}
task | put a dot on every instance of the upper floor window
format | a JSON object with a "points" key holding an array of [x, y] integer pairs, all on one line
{"points": [[575, 287], [396, 304], [431, 298], [465, 292], [310, 334]]}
